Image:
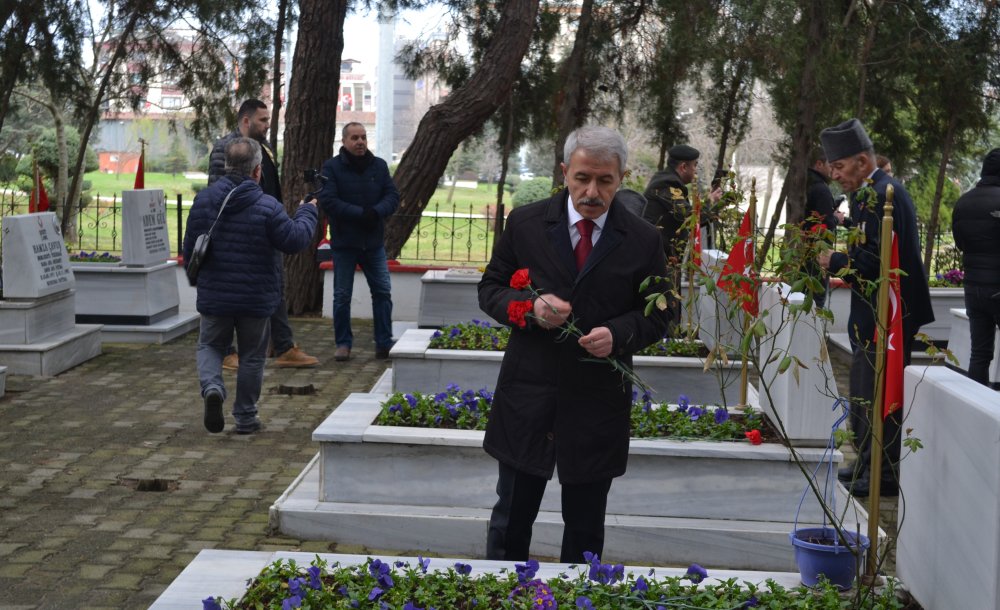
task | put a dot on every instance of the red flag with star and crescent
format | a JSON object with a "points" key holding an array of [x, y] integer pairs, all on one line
{"points": [[740, 263], [893, 395], [140, 172], [39, 200]]}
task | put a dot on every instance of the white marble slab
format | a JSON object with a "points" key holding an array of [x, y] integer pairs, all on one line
{"points": [[417, 368], [364, 463], [110, 293], [54, 355], [162, 331], [449, 296], [35, 262], [214, 573], [145, 240], [960, 344], [943, 300], [23, 322], [803, 404], [949, 534]]}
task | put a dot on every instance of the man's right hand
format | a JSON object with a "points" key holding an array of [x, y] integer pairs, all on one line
{"points": [[550, 311]]}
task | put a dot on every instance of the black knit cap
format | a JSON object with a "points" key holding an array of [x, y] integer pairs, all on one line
{"points": [[683, 152], [991, 164]]}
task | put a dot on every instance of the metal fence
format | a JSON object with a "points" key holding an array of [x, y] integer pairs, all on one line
{"points": [[462, 235]]}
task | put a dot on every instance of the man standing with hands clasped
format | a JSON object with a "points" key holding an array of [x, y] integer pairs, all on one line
{"points": [[357, 197], [555, 407], [851, 156]]}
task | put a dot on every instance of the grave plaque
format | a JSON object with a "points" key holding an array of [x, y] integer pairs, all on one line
{"points": [[144, 228], [35, 262]]}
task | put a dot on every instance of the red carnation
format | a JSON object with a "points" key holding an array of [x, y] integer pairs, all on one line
{"points": [[754, 437], [516, 311], [818, 228], [520, 279]]}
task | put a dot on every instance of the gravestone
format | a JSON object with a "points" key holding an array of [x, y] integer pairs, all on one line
{"points": [[38, 333], [138, 301], [715, 325], [35, 259], [145, 240]]}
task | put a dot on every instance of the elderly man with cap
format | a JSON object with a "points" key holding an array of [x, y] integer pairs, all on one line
{"points": [[975, 223], [851, 156]]}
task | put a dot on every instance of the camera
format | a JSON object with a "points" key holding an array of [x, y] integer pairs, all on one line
{"points": [[314, 177]]}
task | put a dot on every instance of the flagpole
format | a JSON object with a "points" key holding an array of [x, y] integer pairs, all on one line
{"points": [[33, 197], [752, 213], [875, 467]]}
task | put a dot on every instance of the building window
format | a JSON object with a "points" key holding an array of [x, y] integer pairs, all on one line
{"points": [[171, 102]]}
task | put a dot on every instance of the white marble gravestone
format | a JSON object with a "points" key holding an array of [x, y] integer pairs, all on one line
{"points": [[803, 403], [960, 344], [949, 537], [38, 333], [449, 296], [715, 325], [35, 263], [145, 240]]}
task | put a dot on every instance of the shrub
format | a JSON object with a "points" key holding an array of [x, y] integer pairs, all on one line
{"points": [[532, 190]]}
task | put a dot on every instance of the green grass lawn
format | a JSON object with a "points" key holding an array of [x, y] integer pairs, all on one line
{"points": [[110, 185]]}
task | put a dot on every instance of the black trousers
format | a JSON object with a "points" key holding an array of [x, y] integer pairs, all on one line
{"points": [[862, 397], [982, 305], [520, 495]]}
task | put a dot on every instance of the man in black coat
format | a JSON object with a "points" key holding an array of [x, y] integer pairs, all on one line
{"points": [[975, 223], [555, 406], [852, 162], [253, 121], [667, 200], [820, 207]]}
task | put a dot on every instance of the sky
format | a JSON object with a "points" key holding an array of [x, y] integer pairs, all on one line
{"points": [[361, 32]]}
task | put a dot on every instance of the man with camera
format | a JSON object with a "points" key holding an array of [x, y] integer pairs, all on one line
{"points": [[253, 121], [358, 196], [240, 278]]}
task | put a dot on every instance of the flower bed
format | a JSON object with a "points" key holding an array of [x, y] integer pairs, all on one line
{"points": [[413, 585], [426, 360]]}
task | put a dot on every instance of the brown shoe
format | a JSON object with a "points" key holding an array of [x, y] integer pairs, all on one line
{"points": [[295, 358], [231, 362], [342, 354]]}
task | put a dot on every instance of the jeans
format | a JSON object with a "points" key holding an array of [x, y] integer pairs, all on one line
{"points": [[251, 340], [984, 319], [281, 330], [376, 269]]}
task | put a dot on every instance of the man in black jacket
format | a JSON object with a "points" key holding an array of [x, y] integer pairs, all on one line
{"points": [[852, 162], [975, 223], [820, 207], [253, 121], [557, 405]]}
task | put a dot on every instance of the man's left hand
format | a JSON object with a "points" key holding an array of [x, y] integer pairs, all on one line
{"points": [[598, 342]]}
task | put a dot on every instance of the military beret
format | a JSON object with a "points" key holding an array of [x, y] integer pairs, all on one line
{"points": [[683, 152], [844, 140]]}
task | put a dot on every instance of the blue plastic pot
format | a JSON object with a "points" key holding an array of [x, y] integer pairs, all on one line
{"points": [[827, 557]]}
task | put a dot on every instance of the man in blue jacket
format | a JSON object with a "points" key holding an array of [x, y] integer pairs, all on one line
{"points": [[357, 197], [239, 285]]}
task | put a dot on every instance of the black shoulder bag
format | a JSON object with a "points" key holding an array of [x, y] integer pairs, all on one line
{"points": [[200, 250]]}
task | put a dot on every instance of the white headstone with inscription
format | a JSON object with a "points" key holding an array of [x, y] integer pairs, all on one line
{"points": [[35, 262], [144, 228]]}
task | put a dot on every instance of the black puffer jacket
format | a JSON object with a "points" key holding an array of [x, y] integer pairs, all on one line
{"points": [[269, 180], [975, 223]]}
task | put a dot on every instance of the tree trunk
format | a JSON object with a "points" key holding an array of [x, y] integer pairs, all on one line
{"points": [[932, 224], [279, 38], [727, 121], [445, 125], [804, 135], [864, 55], [310, 129], [773, 227], [508, 145], [63, 204], [95, 108], [572, 102]]}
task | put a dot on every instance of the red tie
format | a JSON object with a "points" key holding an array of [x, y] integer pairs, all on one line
{"points": [[585, 245]]}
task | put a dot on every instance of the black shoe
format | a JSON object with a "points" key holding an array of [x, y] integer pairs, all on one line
{"points": [[382, 353], [848, 473], [214, 422]]}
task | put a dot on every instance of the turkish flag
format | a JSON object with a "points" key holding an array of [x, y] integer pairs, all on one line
{"points": [[740, 263], [893, 396], [39, 200], [140, 173], [696, 233]]}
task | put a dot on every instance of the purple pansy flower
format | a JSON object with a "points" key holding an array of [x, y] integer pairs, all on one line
{"points": [[696, 573], [721, 415], [291, 602], [210, 603], [314, 574]]}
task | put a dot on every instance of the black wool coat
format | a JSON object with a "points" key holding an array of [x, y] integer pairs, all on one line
{"points": [[552, 406]]}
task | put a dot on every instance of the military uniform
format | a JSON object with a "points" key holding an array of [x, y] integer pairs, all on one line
{"points": [[667, 207]]}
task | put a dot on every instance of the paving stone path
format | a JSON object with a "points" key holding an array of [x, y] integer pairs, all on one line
{"points": [[110, 485], [76, 529]]}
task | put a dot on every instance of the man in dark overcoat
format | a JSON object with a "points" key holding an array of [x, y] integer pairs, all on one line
{"points": [[851, 156], [557, 406]]}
